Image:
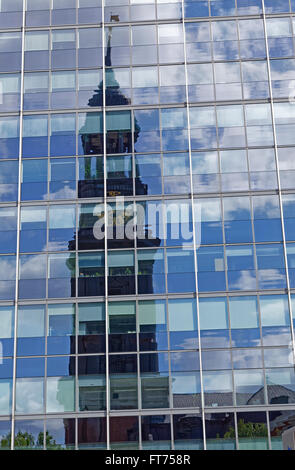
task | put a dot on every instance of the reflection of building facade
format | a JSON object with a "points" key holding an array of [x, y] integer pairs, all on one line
{"points": [[289, 439], [276, 394], [90, 431], [69, 438], [168, 342]]}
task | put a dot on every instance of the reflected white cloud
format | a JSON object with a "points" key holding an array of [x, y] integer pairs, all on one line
{"points": [[7, 268], [5, 396], [33, 267], [185, 383], [274, 310], [29, 395], [246, 281], [217, 381]]}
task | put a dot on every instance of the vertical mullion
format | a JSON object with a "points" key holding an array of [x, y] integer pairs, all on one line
{"points": [[13, 401], [279, 181], [46, 307], [107, 378], [193, 221]]}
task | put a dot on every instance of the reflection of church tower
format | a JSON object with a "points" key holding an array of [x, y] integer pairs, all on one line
{"points": [[69, 427], [113, 94], [118, 141], [119, 137], [64, 396]]}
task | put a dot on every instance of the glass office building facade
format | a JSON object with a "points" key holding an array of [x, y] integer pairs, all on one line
{"points": [[159, 341]]}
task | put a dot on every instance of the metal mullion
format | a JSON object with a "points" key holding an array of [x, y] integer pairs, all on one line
{"points": [[76, 384], [48, 177], [253, 244], [77, 83], [159, 82], [76, 353], [47, 253], [169, 355], [139, 397], [231, 352], [77, 12], [265, 395], [213, 74], [221, 199], [77, 209], [49, 78], [292, 26], [44, 431], [246, 134], [46, 357], [268, 430], [139, 417], [172, 431], [225, 264], [138, 358], [162, 168], [279, 183], [45, 369], [160, 138], [77, 175], [241, 73], [236, 430], [194, 227], [50, 12], [130, 64], [75, 301], [133, 169], [107, 377], [17, 270], [76, 443], [76, 387]]}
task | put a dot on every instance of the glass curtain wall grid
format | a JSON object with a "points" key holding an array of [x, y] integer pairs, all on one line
{"points": [[170, 340]]}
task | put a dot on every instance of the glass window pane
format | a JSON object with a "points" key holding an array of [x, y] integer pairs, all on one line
{"points": [[63, 80], [152, 313], [89, 37], [63, 39], [230, 116], [35, 126], [144, 77], [9, 128], [182, 315], [220, 431], [37, 41], [122, 317], [60, 394], [274, 310], [6, 323], [278, 27], [91, 318], [31, 321], [89, 79], [246, 421], [29, 395], [62, 217], [213, 314], [61, 320], [243, 312]]}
